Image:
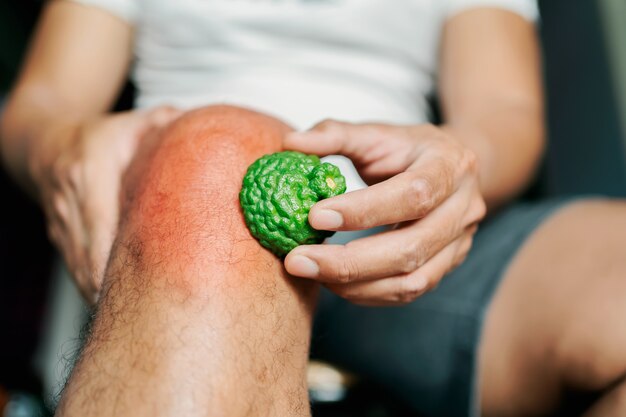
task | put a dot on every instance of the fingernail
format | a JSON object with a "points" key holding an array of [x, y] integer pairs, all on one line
{"points": [[303, 267], [326, 219]]}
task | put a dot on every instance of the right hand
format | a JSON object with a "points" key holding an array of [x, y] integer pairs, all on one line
{"points": [[79, 171]]}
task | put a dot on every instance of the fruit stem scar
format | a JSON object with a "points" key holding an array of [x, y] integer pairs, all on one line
{"points": [[331, 183]]}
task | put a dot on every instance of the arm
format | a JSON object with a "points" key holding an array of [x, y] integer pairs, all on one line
{"points": [[430, 181], [490, 88], [74, 69], [57, 140]]}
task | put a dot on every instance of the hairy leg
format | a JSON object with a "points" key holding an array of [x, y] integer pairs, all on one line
{"points": [[196, 318], [557, 323]]}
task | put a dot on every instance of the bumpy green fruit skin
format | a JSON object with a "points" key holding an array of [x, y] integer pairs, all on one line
{"points": [[277, 193]]}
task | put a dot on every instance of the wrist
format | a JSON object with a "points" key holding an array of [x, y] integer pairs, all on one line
{"points": [[479, 143], [44, 149]]}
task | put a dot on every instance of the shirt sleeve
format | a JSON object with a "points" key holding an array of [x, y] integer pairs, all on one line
{"points": [[124, 9], [528, 9]]}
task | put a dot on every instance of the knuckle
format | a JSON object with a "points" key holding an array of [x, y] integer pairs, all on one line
{"points": [[345, 291], [66, 171], [411, 257], [402, 299], [434, 284], [74, 174], [347, 270], [407, 297], [350, 294], [471, 229], [60, 207], [469, 161], [411, 288], [428, 129], [479, 210], [359, 219], [422, 252], [467, 244], [420, 192], [461, 254], [459, 259], [327, 125]]}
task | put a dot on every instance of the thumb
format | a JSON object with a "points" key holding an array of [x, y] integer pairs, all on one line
{"points": [[331, 137], [138, 122], [163, 115]]}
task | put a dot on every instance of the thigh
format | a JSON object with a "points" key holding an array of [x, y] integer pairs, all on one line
{"points": [[557, 319], [425, 352]]}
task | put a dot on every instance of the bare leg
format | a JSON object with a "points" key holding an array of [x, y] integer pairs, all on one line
{"points": [[196, 319], [558, 322]]}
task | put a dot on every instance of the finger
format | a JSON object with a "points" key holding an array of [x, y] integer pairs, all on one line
{"points": [[100, 213], [163, 115], [76, 247], [73, 206], [403, 289], [101, 236], [390, 253], [406, 196], [135, 124], [65, 231]]}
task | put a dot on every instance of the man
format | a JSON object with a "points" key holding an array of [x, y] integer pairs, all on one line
{"points": [[182, 255]]}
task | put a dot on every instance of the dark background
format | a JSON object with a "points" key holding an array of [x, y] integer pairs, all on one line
{"points": [[585, 155]]}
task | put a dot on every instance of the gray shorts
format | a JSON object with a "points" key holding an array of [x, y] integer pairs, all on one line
{"points": [[426, 352]]}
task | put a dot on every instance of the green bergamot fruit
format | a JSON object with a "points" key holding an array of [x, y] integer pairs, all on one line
{"points": [[277, 193]]}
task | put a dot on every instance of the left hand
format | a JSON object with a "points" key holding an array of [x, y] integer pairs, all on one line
{"points": [[423, 182]]}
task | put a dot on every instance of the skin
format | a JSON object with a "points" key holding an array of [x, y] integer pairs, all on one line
{"points": [[493, 135], [438, 178], [567, 331], [56, 139], [434, 215], [194, 312]]}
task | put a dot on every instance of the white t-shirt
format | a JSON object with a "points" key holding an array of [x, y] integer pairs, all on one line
{"points": [[300, 60]]}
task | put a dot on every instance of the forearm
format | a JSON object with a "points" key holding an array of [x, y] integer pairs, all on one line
{"points": [[508, 141], [491, 96], [34, 124], [76, 64]]}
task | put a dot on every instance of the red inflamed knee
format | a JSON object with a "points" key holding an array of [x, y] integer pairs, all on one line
{"points": [[181, 207]]}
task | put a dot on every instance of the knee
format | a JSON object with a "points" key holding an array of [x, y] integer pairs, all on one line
{"points": [[181, 204], [586, 367], [589, 346]]}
